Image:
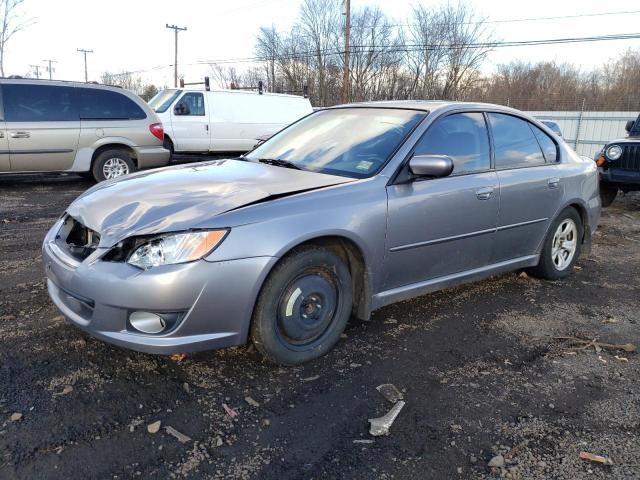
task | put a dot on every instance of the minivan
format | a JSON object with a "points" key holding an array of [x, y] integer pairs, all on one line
{"points": [[201, 121], [95, 130]]}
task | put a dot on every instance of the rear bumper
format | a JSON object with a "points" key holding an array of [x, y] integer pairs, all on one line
{"points": [[149, 157], [215, 300]]}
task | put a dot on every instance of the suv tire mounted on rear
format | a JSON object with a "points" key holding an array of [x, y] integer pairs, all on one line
{"points": [[112, 163], [303, 307], [561, 247]]}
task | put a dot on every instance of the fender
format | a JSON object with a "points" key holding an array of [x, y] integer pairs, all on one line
{"points": [[84, 156]]}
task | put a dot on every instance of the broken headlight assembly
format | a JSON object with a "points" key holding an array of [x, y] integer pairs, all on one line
{"points": [[167, 249]]}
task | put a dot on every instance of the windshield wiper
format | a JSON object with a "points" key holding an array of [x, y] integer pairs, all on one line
{"points": [[280, 163]]}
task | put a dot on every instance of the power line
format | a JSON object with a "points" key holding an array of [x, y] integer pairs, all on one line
{"points": [[407, 48]]}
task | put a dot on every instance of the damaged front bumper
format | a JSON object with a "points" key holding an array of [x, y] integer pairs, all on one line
{"points": [[212, 302]]}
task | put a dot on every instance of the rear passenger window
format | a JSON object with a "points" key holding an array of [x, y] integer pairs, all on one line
{"points": [[96, 104], [515, 143], [195, 102], [461, 136], [548, 146], [38, 103]]}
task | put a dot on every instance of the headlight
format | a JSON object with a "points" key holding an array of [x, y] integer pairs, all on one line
{"points": [[614, 152], [176, 248]]}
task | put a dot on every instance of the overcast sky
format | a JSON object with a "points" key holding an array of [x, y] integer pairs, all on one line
{"points": [[131, 35]]}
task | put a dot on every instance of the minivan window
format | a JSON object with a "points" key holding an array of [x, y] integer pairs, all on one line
{"points": [[38, 103], [351, 142], [461, 136], [195, 102], [98, 104], [515, 144], [163, 100], [549, 147]]}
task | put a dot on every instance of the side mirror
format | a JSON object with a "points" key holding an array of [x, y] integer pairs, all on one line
{"points": [[431, 165], [181, 109], [629, 126]]}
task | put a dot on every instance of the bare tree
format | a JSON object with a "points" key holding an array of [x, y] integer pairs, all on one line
{"points": [[11, 22]]}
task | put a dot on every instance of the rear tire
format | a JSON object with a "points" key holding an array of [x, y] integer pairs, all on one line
{"points": [[112, 164], [562, 246], [303, 307], [608, 194]]}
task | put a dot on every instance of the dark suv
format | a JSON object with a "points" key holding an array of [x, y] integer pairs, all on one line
{"points": [[619, 164]]}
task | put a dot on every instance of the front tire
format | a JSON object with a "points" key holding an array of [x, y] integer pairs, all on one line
{"points": [[562, 246], [608, 194], [167, 144], [112, 164], [303, 306]]}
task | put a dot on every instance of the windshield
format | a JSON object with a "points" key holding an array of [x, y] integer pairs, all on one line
{"points": [[351, 142], [163, 100]]}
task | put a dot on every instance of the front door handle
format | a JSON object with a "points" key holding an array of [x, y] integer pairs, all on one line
{"points": [[20, 135], [484, 193], [553, 182]]}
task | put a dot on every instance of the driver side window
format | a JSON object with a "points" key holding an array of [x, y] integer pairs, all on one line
{"points": [[195, 102], [461, 136]]}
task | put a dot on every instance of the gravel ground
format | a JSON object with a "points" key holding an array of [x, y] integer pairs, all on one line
{"points": [[483, 377]]}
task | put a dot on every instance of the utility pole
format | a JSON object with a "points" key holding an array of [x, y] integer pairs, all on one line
{"points": [[36, 69], [50, 62], [82, 50], [347, 33], [176, 29]]}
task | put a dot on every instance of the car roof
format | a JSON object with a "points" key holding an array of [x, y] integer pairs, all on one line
{"points": [[428, 105]]}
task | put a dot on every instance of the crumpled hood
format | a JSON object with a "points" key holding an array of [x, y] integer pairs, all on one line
{"points": [[185, 197]]}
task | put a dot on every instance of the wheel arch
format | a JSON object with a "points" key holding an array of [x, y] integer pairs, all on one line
{"points": [[354, 257], [114, 146], [581, 208]]}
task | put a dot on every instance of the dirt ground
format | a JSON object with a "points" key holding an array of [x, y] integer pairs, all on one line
{"points": [[480, 370]]}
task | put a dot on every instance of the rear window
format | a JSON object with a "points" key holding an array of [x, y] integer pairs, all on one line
{"points": [[38, 103], [514, 141], [96, 104]]}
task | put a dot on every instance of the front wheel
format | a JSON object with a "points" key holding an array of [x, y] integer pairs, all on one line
{"points": [[303, 307], [607, 194], [562, 246]]}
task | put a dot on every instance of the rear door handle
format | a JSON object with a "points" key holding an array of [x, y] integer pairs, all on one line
{"points": [[554, 182], [484, 193], [20, 135]]}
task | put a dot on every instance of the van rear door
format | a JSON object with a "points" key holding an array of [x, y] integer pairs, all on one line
{"points": [[190, 123], [42, 125]]}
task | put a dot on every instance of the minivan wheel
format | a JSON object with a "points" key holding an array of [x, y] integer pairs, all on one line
{"points": [[112, 164], [607, 194], [562, 246], [303, 307]]}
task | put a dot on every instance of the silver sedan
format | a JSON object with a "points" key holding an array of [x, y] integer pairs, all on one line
{"points": [[347, 210]]}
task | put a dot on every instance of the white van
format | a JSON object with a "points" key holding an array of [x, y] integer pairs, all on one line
{"points": [[223, 120]]}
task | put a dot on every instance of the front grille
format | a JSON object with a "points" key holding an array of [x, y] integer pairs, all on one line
{"points": [[630, 159], [76, 239]]}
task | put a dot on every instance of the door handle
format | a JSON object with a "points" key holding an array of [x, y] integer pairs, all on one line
{"points": [[484, 193], [553, 182], [1, 134], [20, 135]]}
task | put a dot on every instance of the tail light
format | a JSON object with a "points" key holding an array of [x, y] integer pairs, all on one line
{"points": [[157, 130]]}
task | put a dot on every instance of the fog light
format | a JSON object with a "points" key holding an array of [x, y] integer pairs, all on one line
{"points": [[147, 322]]}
